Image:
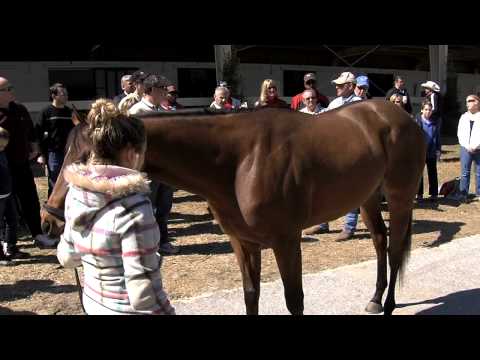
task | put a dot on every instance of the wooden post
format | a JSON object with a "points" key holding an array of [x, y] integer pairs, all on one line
{"points": [[221, 52]]}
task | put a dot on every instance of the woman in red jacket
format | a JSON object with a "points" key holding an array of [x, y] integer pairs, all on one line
{"points": [[269, 96]]}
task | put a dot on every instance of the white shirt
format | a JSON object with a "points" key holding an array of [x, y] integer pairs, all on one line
{"points": [[319, 109], [144, 107], [469, 142], [340, 101], [214, 105], [132, 97]]}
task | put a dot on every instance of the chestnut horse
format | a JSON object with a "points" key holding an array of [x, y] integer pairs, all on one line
{"points": [[269, 174]]}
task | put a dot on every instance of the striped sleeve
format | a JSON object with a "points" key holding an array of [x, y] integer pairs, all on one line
{"points": [[140, 238], [66, 254]]}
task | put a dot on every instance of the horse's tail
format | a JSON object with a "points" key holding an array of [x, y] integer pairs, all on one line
{"points": [[405, 252]]}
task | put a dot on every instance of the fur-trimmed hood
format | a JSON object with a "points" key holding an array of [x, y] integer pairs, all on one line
{"points": [[113, 181], [92, 188]]}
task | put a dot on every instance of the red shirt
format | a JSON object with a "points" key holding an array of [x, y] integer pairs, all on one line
{"points": [[297, 100]]}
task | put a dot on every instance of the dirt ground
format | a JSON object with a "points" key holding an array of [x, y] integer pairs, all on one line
{"points": [[206, 263]]}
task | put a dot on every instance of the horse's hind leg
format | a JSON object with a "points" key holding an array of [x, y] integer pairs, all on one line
{"points": [[372, 217], [249, 259], [288, 254], [399, 246]]}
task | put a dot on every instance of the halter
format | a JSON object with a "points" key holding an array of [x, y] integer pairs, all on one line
{"points": [[57, 213]]}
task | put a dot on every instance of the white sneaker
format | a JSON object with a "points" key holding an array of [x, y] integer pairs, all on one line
{"points": [[168, 249], [45, 242]]}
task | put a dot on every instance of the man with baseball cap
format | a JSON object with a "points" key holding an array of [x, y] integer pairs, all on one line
{"points": [[309, 81], [345, 86], [362, 86]]}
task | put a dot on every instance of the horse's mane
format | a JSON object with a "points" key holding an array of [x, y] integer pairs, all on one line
{"points": [[78, 142], [196, 113]]}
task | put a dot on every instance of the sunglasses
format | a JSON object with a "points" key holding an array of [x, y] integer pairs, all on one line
{"points": [[8, 88], [272, 87], [173, 93], [471, 100]]}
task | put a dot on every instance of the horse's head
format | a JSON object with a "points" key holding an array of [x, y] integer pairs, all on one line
{"points": [[52, 212], [52, 221]]}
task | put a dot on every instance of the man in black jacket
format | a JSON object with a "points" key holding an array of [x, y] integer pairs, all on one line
{"points": [[399, 88], [54, 125], [21, 148]]}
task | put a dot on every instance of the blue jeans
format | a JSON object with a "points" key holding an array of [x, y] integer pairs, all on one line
{"points": [[54, 165], [351, 220], [8, 221], [466, 160]]}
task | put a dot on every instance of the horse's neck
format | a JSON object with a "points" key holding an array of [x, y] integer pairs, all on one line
{"points": [[188, 153]]}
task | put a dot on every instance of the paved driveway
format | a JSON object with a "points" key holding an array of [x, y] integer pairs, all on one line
{"points": [[441, 280]]}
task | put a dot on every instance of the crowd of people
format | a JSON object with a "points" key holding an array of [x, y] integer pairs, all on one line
{"points": [[119, 145]]}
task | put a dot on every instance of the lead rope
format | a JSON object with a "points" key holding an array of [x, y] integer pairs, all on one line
{"points": [[80, 292]]}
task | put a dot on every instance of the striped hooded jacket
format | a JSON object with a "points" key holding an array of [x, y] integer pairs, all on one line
{"points": [[110, 229]]}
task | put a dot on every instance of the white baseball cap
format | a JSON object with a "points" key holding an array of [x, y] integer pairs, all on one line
{"points": [[345, 78]]}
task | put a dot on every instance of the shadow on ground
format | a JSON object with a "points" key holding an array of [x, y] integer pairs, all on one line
{"points": [[212, 248], [176, 218], [25, 288], [447, 230], [38, 259], [7, 311], [465, 302], [197, 229], [187, 198]]}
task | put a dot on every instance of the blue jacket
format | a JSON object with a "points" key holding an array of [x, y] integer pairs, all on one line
{"points": [[431, 131]]}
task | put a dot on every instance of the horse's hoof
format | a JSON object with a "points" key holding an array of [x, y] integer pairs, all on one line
{"points": [[374, 308]]}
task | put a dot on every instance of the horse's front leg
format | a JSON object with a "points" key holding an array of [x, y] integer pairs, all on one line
{"points": [[288, 253], [250, 262]]}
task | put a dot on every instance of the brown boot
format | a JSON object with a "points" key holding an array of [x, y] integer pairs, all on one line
{"points": [[316, 229], [344, 235]]}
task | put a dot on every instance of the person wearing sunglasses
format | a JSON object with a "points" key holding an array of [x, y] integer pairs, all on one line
{"points": [[469, 138], [170, 103], [312, 107], [310, 83], [155, 94], [21, 149], [362, 86], [345, 86]]}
